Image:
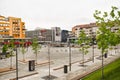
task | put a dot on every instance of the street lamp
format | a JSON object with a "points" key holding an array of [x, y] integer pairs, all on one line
{"points": [[49, 60], [69, 54], [16, 64], [93, 47]]}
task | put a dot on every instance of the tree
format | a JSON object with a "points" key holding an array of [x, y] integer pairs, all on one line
{"points": [[11, 48], [8, 51], [83, 41], [23, 49], [5, 48], [106, 37], [35, 46]]}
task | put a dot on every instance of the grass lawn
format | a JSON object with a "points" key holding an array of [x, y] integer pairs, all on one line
{"points": [[111, 72]]}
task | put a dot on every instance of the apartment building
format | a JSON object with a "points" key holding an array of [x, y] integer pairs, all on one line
{"points": [[90, 29], [11, 27]]}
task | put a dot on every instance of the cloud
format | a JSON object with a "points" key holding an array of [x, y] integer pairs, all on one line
{"points": [[49, 13]]}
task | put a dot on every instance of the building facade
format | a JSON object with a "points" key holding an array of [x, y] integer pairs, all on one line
{"points": [[56, 34], [90, 29], [43, 35], [64, 35], [11, 27]]}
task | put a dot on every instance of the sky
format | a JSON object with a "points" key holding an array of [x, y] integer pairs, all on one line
{"points": [[55, 13]]}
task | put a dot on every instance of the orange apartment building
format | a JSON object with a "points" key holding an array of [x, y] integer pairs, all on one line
{"points": [[12, 27]]}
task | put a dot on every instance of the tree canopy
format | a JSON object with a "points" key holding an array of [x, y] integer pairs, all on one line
{"points": [[109, 28]]}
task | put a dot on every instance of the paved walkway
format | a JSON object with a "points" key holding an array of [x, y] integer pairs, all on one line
{"points": [[77, 70], [59, 56]]}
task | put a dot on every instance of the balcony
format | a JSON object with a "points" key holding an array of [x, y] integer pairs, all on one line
{"points": [[4, 32]]}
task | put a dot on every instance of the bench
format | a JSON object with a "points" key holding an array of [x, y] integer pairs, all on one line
{"points": [[6, 69]]}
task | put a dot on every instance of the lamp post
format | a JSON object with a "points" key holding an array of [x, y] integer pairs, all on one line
{"points": [[69, 54], [93, 47], [16, 64], [49, 76]]}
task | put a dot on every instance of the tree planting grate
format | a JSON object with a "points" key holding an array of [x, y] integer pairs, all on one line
{"points": [[51, 77]]}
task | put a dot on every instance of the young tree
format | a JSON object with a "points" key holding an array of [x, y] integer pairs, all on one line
{"points": [[35, 46], [83, 41], [11, 49], [8, 51], [105, 36], [5, 50], [23, 49]]}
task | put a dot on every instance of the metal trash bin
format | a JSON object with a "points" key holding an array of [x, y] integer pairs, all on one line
{"points": [[65, 68], [31, 65], [105, 55]]}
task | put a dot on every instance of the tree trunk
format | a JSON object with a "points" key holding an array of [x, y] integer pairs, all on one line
{"points": [[102, 65], [11, 60], [93, 53], [83, 59], [23, 57], [36, 58], [115, 49]]}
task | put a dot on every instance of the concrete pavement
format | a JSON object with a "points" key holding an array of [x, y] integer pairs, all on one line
{"points": [[60, 57]]}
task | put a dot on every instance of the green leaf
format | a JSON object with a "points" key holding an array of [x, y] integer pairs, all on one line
{"points": [[112, 14], [35, 45], [119, 13], [105, 14], [105, 36]]}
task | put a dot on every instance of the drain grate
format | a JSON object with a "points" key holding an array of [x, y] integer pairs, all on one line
{"points": [[49, 77]]}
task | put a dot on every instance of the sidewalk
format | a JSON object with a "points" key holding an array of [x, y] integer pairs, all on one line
{"points": [[77, 71], [75, 75]]}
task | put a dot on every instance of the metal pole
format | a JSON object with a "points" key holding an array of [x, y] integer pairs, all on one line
{"points": [[102, 67], [83, 52], [69, 56], [93, 50], [16, 64], [11, 60], [49, 59], [52, 35]]}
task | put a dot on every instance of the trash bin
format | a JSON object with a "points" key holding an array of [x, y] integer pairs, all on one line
{"points": [[31, 65], [105, 55], [65, 69]]}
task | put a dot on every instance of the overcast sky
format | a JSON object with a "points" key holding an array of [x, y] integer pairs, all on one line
{"points": [[52, 13]]}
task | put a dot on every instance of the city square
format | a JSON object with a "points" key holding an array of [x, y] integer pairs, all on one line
{"points": [[59, 56], [59, 40]]}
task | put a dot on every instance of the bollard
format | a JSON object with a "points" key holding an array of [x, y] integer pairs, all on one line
{"points": [[105, 55], [65, 69], [31, 65]]}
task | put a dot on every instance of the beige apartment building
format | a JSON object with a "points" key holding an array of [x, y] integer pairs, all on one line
{"points": [[90, 29]]}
